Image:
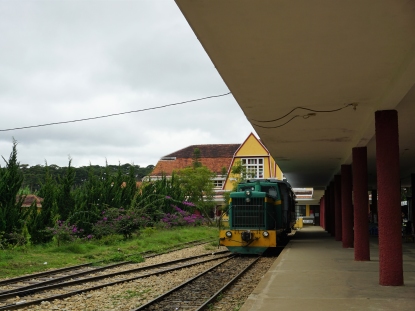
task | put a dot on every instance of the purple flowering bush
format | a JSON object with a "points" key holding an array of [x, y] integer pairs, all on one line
{"points": [[119, 221], [181, 218], [63, 231]]}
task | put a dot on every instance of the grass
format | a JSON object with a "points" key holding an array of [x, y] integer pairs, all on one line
{"points": [[31, 259], [131, 294]]}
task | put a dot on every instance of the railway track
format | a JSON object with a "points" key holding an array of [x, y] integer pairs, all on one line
{"points": [[51, 289], [150, 254], [62, 274], [199, 292]]}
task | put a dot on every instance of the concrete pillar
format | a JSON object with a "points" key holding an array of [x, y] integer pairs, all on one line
{"points": [[347, 208], [361, 201], [389, 207], [332, 210], [338, 207]]}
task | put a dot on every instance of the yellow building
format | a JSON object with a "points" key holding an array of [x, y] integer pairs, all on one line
{"points": [[220, 158], [256, 160]]}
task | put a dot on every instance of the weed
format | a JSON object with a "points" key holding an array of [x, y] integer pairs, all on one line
{"points": [[149, 231], [14, 262], [209, 247], [110, 239], [131, 294], [136, 258], [115, 258], [75, 248]]}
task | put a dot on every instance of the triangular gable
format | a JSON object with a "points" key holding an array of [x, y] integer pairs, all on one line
{"points": [[252, 146]]}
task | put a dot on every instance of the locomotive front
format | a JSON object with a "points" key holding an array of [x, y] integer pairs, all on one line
{"points": [[256, 220]]}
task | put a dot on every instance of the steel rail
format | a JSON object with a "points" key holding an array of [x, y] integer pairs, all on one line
{"points": [[90, 264], [23, 304], [28, 290], [142, 307], [210, 300]]}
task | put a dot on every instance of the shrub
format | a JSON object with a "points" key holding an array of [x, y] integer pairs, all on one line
{"points": [[64, 232], [181, 218], [119, 221]]}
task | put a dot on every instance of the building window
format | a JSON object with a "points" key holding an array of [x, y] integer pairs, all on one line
{"points": [[254, 167], [218, 184]]}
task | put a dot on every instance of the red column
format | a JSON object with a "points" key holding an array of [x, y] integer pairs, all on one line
{"points": [[347, 208], [332, 210], [374, 206], [413, 198], [389, 207], [326, 209], [338, 207], [322, 212], [361, 201]]}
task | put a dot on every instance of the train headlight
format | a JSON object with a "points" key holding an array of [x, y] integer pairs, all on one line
{"points": [[265, 234], [248, 193], [228, 234]]}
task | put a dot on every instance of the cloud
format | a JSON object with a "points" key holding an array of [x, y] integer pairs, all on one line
{"points": [[67, 60]]}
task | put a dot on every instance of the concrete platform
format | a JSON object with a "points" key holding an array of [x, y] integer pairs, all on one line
{"points": [[314, 272]]}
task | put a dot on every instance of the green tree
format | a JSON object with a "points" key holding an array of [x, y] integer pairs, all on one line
{"points": [[45, 217], [237, 174], [158, 197], [198, 187], [64, 197], [12, 214], [196, 158]]}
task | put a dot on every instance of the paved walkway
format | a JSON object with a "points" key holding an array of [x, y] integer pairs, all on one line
{"points": [[314, 272]]}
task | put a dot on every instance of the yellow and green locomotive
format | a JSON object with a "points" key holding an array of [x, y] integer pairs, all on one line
{"points": [[261, 214]]}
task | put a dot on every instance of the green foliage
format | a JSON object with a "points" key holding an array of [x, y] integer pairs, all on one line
{"points": [[111, 239], [148, 231], [64, 196], [238, 174], [156, 197], [39, 220], [197, 185], [12, 214], [119, 221], [34, 175], [14, 262], [116, 258], [136, 258], [100, 192], [196, 158]]}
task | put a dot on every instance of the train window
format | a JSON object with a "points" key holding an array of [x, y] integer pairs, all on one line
{"points": [[271, 191], [242, 189]]}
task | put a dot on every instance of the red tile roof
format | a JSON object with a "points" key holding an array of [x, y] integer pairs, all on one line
{"points": [[214, 157], [207, 151], [29, 199]]}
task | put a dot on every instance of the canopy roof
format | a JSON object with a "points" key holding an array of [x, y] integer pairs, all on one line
{"points": [[279, 55]]}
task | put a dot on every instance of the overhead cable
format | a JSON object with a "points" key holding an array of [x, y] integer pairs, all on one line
{"points": [[308, 109], [114, 114]]}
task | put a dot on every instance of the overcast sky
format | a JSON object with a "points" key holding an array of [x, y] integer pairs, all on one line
{"points": [[65, 60]]}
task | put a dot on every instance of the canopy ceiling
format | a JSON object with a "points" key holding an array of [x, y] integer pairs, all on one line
{"points": [[278, 55]]}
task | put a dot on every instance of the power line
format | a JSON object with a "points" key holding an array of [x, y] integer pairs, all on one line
{"points": [[306, 116], [114, 114], [312, 110], [274, 127]]}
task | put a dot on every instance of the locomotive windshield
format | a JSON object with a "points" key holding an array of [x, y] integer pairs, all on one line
{"points": [[269, 190]]}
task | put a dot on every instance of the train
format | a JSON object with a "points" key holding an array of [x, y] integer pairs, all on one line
{"points": [[261, 214]]}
